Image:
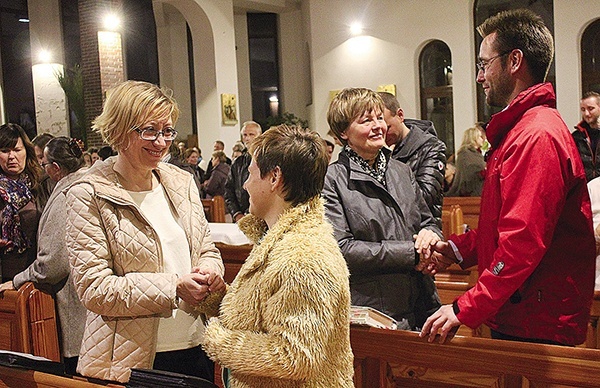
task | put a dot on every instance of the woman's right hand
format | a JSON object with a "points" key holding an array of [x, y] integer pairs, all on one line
{"points": [[192, 288]]}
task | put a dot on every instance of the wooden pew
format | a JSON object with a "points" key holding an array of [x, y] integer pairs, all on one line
{"points": [[14, 377], [470, 207], [385, 358], [28, 322], [452, 221], [233, 257], [214, 209]]}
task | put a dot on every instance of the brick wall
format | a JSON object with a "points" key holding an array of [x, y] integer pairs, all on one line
{"points": [[95, 83]]}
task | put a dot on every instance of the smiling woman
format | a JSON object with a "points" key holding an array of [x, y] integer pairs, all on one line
{"points": [[139, 245], [376, 208], [19, 183]]}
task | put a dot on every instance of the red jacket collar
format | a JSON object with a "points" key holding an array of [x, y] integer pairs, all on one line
{"points": [[502, 122]]}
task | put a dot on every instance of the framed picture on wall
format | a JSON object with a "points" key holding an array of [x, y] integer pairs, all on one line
{"points": [[229, 109]]}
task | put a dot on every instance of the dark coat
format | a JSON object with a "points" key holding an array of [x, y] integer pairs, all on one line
{"points": [[591, 164], [215, 185], [236, 197], [374, 227], [425, 154]]}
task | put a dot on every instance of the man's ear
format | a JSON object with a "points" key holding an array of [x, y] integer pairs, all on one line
{"points": [[515, 60], [400, 114]]}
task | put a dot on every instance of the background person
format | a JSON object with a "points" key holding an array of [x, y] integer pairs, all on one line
{"points": [[135, 231], [215, 185], [587, 134], [236, 197], [470, 166], [63, 162], [376, 208], [534, 245], [20, 174], [415, 143], [46, 184], [284, 320], [93, 151], [237, 150]]}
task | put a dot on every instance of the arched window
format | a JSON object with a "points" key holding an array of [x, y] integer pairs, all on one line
{"points": [[435, 73], [486, 8], [590, 58]]}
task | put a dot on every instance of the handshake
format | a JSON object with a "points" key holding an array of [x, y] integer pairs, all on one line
{"points": [[194, 287], [434, 255]]}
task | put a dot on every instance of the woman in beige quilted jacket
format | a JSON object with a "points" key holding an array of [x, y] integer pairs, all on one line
{"points": [[284, 321], [141, 255]]}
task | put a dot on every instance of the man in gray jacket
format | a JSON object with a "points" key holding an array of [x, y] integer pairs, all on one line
{"points": [[415, 143]]}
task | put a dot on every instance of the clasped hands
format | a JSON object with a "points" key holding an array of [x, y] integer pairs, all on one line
{"points": [[195, 286], [434, 255]]}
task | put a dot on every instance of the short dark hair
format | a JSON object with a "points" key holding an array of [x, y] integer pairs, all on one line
{"points": [[105, 152], [524, 30], [390, 101], [42, 139], [219, 142], [301, 156], [65, 152]]}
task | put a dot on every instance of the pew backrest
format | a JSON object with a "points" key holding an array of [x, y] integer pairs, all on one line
{"points": [[214, 209], [28, 322]]}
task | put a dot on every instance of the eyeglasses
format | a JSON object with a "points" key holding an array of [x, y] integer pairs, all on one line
{"points": [[482, 65], [46, 164], [151, 134]]}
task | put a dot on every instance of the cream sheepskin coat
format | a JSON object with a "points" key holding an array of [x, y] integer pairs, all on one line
{"points": [[118, 270], [284, 321]]}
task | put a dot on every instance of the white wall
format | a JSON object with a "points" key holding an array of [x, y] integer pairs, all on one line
{"points": [[211, 24], [294, 67], [243, 66], [570, 20], [388, 52], [396, 31]]}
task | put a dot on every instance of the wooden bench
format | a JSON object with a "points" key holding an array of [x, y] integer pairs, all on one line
{"points": [[214, 209], [14, 377], [452, 221], [385, 358], [28, 322], [470, 207]]}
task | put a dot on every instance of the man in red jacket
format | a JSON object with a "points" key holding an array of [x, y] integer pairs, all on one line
{"points": [[534, 245]]}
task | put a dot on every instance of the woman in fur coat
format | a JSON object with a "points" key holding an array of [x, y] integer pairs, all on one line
{"points": [[284, 321]]}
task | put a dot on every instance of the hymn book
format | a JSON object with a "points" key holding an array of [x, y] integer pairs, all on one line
{"points": [[367, 316]]}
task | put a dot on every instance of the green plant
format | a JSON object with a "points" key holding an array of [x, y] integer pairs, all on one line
{"points": [[285, 118], [71, 81]]}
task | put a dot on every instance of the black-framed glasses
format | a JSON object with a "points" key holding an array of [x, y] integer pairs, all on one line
{"points": [[482, 65], [151, 134], [44, 164]]}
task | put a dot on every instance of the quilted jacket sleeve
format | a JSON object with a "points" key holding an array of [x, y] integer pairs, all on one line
{"points": [[99, 288]]}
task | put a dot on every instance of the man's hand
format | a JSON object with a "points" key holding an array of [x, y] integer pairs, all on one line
{"points": [[442, 257], [443, 320]]}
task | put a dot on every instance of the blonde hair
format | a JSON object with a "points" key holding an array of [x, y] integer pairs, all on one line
{"points": [[349, 104], [470, 138], [129, 105]]}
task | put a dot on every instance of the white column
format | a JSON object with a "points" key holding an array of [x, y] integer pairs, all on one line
{"points": [[47, 52]]}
